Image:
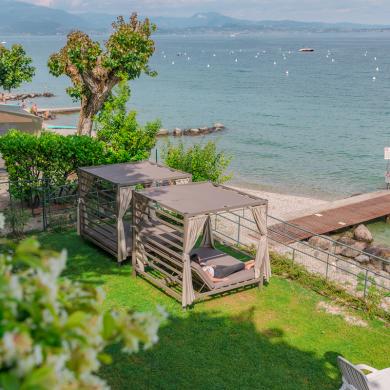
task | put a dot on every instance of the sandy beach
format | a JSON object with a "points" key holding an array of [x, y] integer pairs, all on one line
{"points": [[286, 206]]}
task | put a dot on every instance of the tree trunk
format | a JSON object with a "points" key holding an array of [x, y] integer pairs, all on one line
{"points": [[87, 113], [90, 106]]}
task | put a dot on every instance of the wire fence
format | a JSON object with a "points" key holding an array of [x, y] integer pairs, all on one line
{"points": [[357, 278], [42, 205], [39, 205]]}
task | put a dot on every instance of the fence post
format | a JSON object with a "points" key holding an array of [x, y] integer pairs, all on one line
{"points": [[156, 155], [327, 266], [238, 230], [365, 284], [293, 256], [44, 222]]}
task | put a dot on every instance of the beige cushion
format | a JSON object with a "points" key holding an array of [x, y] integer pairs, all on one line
{"points": [[212, 256]]}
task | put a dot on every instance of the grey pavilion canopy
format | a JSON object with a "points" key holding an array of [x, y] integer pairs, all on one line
{"points": [[105, 196], [195, 203], [133, 173], [201, 198]]}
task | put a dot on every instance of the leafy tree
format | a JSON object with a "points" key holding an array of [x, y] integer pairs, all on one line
{"points": [[119, 130], [94, 70], [205, 163], [54, 331], [15, 67]]}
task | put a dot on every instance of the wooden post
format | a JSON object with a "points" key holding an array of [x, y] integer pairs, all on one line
{"points": [[134, 235], [388, 219]]}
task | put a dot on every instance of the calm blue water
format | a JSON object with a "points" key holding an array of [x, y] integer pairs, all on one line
{"points": [[320, 130]]}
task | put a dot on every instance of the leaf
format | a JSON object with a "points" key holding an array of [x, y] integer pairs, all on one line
{"points": [[76, 319], [109, 326], [9, 381], [105, 358], [41, 378]]}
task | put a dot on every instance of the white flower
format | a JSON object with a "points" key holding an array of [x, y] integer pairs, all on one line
{"points": [[57, 264], [9, 347], [2, 221], [15, 288], [94, 382]]}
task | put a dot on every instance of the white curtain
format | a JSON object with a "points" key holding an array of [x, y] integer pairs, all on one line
{"points": [[125, 195], [262, 261], [208, 239], [141, 204], [193, 230]]}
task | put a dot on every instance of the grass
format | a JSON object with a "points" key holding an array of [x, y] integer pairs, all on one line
{"points": [[273, 338]]}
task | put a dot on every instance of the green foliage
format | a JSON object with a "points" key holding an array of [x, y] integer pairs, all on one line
{"points": [[95, 70], [15, 67], [204, 162], [51, 157], [119, 130], [16, 219], [282, 265], [54, 332], [266, 334]]}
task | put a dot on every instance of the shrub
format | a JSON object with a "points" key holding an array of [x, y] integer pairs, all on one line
{"points": [[119, 130], [204, 162], [16, 219], [53, 331], [51, 157]]}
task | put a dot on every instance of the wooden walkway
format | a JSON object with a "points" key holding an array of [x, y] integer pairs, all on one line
{"points": [[350, 212]]}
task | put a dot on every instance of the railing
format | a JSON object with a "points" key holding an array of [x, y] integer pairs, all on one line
{"points": [[48, 205], [39, 205], [348, 272]]}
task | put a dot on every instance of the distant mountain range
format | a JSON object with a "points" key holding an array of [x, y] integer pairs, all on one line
{"points": [[24, 18]]}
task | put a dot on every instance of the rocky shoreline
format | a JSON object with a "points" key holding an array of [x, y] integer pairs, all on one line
{"points": [[193, 132], [357, 245], [22, 96]]}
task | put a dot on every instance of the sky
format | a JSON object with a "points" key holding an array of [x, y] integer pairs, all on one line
{"points": [[357, 11]]}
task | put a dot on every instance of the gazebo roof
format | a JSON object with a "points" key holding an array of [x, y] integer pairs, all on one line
{"points": [[200, 198], [140, 172]]}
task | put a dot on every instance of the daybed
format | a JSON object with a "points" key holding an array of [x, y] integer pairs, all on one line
{"points": [[182, 218], [105, 194]]}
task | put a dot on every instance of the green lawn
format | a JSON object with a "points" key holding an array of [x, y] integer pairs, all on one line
{"points": [[274, 338]]}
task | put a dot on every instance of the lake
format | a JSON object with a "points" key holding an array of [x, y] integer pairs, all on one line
{"points": [[305, 123]]}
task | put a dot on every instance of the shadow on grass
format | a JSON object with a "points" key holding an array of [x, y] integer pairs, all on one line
{"points": [[88, 262], [214, 351]]}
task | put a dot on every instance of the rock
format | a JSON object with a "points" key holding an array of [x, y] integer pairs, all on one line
{"points": [[352, 249], [361, 233], [204, 130], [219, 126], [193, 131], [376, 263], [177, 132], [162, 133], [362, 259], [320, 242], [379, 251], [346, 240]]}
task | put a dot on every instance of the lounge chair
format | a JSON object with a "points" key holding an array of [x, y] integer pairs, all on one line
{"points": [[211, 256], [355, 379]]}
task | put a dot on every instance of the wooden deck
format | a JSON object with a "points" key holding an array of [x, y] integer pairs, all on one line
{"points": [[350, 212]]}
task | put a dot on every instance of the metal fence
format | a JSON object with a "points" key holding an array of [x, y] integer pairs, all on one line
{"points": [[44, 205], [38, 205], [355, 277]]}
